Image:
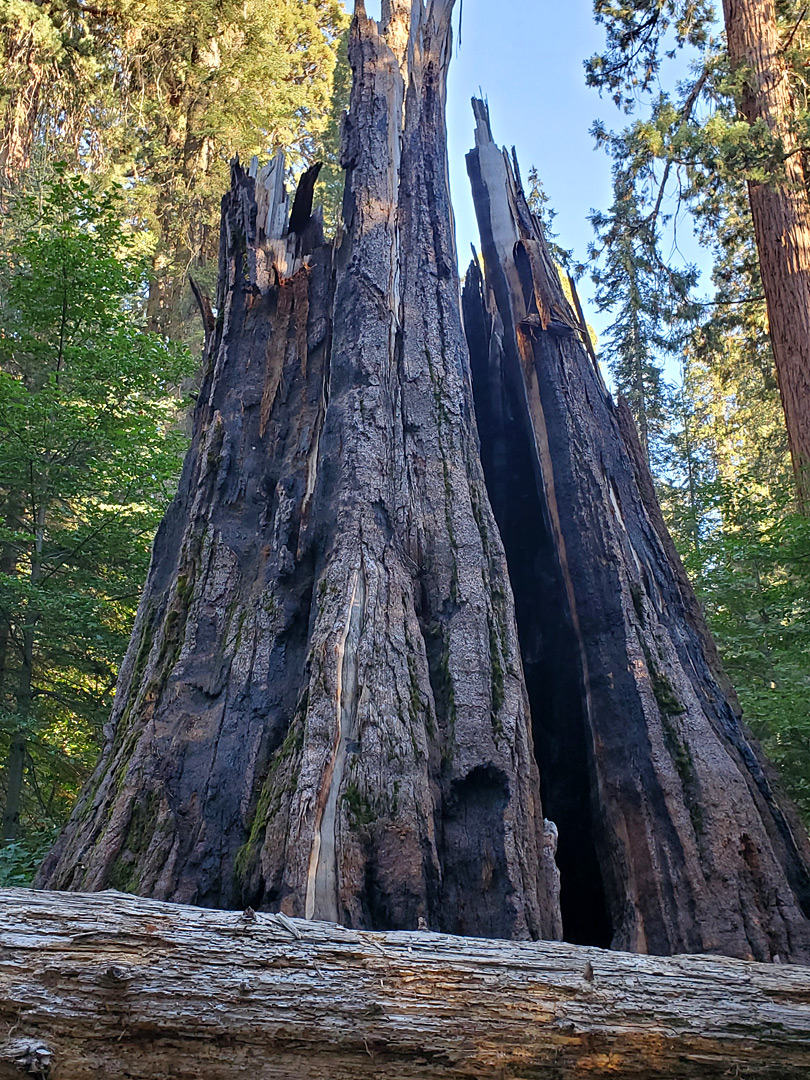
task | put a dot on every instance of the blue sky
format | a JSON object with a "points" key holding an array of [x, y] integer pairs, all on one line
{"points": [[526, 56]]}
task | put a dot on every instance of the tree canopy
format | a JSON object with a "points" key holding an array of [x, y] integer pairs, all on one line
{"points": [[159, 97], [90, 448], [722, 462]]}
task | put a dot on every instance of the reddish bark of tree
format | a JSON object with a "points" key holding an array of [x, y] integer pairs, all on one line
{"points": [[781, 213]]}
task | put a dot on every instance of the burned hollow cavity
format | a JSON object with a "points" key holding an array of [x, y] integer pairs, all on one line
{"points": [[548, 641]]}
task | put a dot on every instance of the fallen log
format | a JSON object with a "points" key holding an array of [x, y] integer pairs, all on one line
{"points": [[111, 985]]}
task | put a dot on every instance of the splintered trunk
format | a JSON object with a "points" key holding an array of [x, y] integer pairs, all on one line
{"points": [[322, 710], [671, 837]]}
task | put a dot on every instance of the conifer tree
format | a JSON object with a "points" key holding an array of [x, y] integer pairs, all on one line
{"points": [[647, 297], [755, 130], [160, 96], [724, 472], [89, 450]]}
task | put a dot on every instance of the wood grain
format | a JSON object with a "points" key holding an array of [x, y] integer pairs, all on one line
{"points": [[116, 986]]}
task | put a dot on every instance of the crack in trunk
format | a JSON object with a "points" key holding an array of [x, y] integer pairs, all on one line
{"points": [[654, 785]]}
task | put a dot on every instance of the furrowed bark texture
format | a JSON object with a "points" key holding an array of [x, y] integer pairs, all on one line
{"points": [[781, 214], [322, 710], [114, 986], [672, 838]]}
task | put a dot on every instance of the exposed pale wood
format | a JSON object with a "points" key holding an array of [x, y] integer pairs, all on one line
{"points": [[113, 986]]}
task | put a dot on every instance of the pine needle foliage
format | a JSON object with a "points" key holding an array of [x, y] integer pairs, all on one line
{"points": [[719, 454], [89, 453]]}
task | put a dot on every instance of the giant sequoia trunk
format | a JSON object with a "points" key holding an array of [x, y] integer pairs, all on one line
{"points": [[671, 836], [781, 213], [322, 709]]}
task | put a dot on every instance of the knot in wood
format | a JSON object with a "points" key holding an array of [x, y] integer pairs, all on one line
{"points": [[115, 977]]}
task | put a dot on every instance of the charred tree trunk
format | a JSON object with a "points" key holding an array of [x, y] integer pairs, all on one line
{"points": [[322, 709], [117, 987], [781, 213], [672, 838]]}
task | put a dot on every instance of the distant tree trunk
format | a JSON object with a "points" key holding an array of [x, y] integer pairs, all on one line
{"points": [[8, 567], [11, 768], [672, 838], [781, 214], [19, 122], [184, 247], [186, 241], [18, 750], [322, 710], [14, 776]]}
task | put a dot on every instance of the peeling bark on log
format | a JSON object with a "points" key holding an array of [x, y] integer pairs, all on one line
{"points": [[114, 986], [672, 837], [322, 709]]}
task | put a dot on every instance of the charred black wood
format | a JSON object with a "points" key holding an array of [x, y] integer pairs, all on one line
{"points": [[301, 212], [204, 307], [322, 710], [673, 837]]}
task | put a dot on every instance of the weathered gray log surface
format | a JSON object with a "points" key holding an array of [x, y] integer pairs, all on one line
{"points": [[322, 709], [113, 986], [673, 837]]}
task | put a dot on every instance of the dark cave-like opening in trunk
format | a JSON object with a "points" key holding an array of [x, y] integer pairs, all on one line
{"points": [[559, 726], [548, 644]]}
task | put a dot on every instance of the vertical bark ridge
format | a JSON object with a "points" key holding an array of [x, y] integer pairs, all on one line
{"points": [[209, 687], [672, 838], [322, 710]]}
